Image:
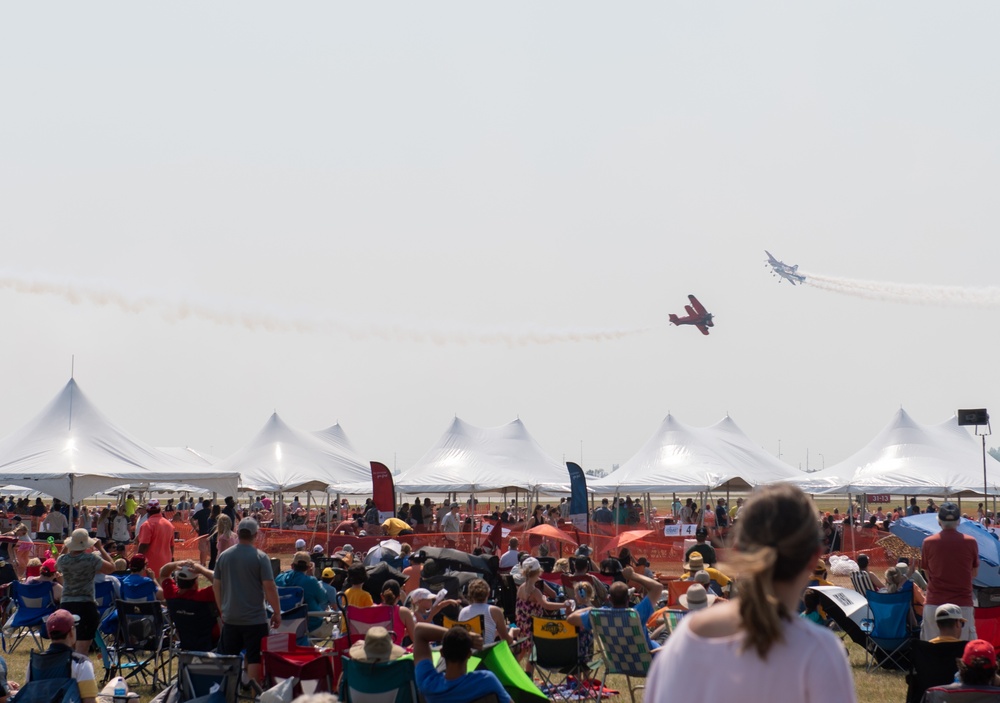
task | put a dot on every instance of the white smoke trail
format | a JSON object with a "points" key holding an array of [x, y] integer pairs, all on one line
{"points": [[281, 321], [914, 293]]}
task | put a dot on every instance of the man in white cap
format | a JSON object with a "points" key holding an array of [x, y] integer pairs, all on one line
{"points": [[243, 579], [949, 622], [951, 560], [300, 544]]}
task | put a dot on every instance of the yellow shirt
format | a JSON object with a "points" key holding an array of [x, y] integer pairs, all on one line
{"points": [[130, 506], [714, 574], [393, 526], [357, 596]]}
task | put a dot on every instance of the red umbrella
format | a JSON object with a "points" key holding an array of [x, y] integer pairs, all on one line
{"points": [[627, 537], [552, 533]]}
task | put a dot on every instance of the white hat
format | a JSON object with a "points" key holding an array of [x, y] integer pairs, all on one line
{"points": [[419, 594], [300, 544], [696, 598], [79, 541], [318, 549]]}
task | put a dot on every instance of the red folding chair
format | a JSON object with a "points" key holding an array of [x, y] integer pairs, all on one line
{"points": [[282, 659], [360, 620], [676, 589], [988, 625]]}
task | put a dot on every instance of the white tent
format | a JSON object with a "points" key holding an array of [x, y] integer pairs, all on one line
{"points": [[191, 456], [911, 459], [475, 459], [281, 458], [70, 450], [337, 438], [680, 458]]}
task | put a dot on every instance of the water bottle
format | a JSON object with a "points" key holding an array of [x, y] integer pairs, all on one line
{"points": [[335, 634], [121, 690]]}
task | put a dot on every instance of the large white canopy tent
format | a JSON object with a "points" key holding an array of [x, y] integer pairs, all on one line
{"points": [[908, 458], [474, 459], [282, 458], [680, 458], [335, 436], [70, 451]]}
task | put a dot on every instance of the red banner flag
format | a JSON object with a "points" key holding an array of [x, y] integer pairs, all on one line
{"points": [[383, 490]]}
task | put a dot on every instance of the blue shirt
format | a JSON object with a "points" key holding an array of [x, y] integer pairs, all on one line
{"points": [[313, 591], [475, 684], [645, 610]]}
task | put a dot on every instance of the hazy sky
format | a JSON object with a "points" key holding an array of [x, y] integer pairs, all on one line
{"points": [[484, 170]]}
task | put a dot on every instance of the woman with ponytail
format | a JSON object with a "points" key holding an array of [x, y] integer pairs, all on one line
{"points": [[755, 644]]}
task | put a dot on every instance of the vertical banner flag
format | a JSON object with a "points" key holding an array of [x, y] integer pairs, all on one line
{"points": [[578, 513], [383, 491]]}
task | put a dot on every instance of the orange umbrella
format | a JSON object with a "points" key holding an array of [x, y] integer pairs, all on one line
{"points": [[552, 533], [627, 537]]}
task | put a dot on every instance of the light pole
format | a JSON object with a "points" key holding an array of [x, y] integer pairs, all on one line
{"points": [[823, 461]]}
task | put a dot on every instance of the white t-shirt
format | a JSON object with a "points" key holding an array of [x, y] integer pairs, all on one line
{"points": [[489, 624], [508, 559], [808, 666]]}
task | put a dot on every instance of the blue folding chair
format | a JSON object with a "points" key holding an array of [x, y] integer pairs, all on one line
{"points": [[290, 596], [887, 630], [34, 603], [51, 679], [145, 591]]}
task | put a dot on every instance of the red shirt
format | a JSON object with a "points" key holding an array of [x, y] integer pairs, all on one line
{"points": [[199, 595], [158, 533], [949, 558]]}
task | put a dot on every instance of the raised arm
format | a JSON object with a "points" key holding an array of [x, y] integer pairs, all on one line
{"points": [[653, 588]]}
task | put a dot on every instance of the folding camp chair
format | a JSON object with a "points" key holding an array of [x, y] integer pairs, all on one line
{"points": [[282, 659], [34, 603], [676, 589], [51, 679], [889, 637], [193, 623], [623, 640], [862, 582], [385, 682], [475, 624], [199, 672], [988, 625], [296, 622], [145, 591], [104, 592], [966, 694], [360, 620], [142, 636], [557, 652], [290, 596], [931, 665]]}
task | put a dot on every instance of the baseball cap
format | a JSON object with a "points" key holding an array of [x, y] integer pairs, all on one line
{"points": [[642, 561], [348, 548], [153, 504], [584, 550], [49, 566], [300, 544], [301, 558], [327, 573], [948, 512], [186, 573], [420, 594], [61, 622], [979, 649], [137, 562], [248, 524], [454, 505], [318, 549], [948, 611]]}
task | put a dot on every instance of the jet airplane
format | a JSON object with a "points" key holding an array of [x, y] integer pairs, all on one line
{"points": [[783, 270], [697, 315]]}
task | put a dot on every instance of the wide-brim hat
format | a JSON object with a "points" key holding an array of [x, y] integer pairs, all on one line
{"points": [[376, 647], [696, 598], [79, 541], [695, 562]]}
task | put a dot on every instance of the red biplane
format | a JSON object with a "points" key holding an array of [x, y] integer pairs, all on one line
{"points": [[697, 315]]}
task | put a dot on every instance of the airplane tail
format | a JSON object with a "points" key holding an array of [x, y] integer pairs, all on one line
{"points": [[673, 319]]}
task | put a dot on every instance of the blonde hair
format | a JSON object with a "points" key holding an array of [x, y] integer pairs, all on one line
{"points": [[892, 580], [586, 587], [561, 566], [34, 561], [223, 524], [777, 537]]}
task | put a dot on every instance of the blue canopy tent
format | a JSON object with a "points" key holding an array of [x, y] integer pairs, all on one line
{"points": [[914, 529]]}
